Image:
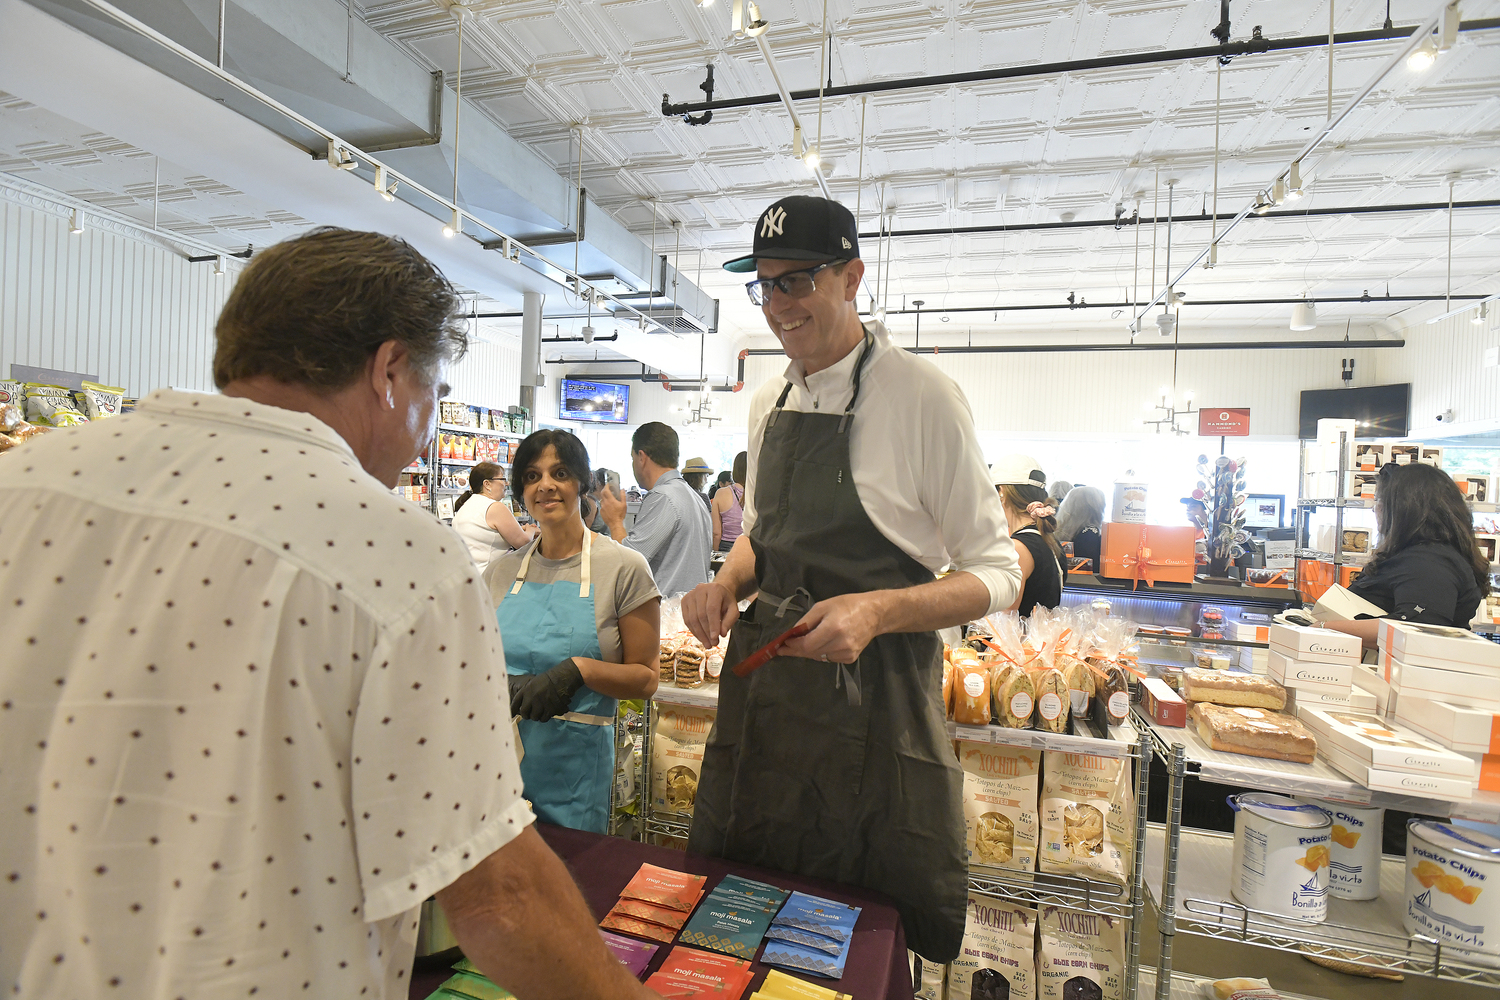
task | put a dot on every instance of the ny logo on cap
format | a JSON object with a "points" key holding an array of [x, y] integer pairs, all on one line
{"points": [[772, 223]]}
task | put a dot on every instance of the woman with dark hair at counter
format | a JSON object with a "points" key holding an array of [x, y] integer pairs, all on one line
{"points": [[580, 622], [1429, 567], [1032, 522]]}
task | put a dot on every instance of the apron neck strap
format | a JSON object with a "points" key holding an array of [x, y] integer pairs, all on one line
{"points": [[583, 575], [859, 368]]}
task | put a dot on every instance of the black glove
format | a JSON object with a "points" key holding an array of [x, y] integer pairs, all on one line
{"points": [[517, 683], [546, 696]]}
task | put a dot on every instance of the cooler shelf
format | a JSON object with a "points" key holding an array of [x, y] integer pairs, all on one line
{"points": [[1366, 932]]}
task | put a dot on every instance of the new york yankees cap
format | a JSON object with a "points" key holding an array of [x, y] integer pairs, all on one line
{"points": [[802, 227]]}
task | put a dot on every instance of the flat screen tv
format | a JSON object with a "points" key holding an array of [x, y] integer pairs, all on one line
{"points": [[1379, 411], [1265, 510], [598, 402]]}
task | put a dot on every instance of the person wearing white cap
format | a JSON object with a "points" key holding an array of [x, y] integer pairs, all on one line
{"points": [[1032, 521]]}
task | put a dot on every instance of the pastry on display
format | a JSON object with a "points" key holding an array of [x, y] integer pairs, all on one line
{"points": [[688, 665], [1254, 732], [1012, 696], [1225, 688]]}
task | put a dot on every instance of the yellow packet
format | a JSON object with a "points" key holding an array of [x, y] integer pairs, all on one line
{"points": [[780, 986]]}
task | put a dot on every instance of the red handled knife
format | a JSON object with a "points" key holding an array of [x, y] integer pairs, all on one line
{"points": [[766, 653]]}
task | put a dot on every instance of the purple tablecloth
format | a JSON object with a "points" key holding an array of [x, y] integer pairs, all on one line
{"points": [[877, 967]]}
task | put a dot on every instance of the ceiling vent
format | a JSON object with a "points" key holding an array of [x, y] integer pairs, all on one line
{"points": [[677, 320]]}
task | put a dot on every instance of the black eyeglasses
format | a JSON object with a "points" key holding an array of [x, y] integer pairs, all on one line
{"points": [[796, 284]]}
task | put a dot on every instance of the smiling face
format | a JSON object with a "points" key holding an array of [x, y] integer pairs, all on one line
{"points": [[550, 490], [820, 328]]}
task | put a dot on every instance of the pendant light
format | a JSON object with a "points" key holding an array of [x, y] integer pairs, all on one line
{"points": [[1305, 315]]}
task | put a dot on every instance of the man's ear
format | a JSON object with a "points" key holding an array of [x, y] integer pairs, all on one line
{"points": [[391, 360], [854, 273]]}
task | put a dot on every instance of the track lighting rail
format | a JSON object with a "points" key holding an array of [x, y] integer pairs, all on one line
{"points": [[1232, 345]]}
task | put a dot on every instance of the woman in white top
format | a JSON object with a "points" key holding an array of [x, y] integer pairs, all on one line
{"points": [[487, 527]]}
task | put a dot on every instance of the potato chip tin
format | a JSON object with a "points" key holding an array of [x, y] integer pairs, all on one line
{"points": [[1453, 885], [1281, 856], [1354, 848]]}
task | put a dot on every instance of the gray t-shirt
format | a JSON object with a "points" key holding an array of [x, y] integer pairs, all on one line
{"points": [[620, 583]]}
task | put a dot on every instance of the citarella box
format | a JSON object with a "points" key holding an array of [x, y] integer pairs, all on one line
{"points": [[1318, 645], [1305, 673], [1456, 649], [1149, 552], [1457, 727]]}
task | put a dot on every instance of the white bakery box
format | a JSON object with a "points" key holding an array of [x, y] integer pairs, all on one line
{"points": [[1353, 699], [1372, 741], [1452, 686], [1458, 727], [1314, 645], [1311, 674], [1458, 649]]}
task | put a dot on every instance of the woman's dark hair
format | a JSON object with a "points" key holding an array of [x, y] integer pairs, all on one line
{"points": [[741, 467], [1018, 496], [313, 309], [1419, 504], [570, 451], [477, 477]]}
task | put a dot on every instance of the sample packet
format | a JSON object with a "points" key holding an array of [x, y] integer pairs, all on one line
{"points": [[665, 887], [780, 986], [665, 916], [728, 926], [634, 955], [806, 939], [826, 917], [638, 927], [792, 956]]}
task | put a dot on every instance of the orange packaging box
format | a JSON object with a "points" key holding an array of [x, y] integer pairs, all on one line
{"points": [[1152, 553]]}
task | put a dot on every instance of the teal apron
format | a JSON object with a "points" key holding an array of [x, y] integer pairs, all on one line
{"points": [[568, 762]]}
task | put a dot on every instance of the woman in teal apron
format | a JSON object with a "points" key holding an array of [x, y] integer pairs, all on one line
{"points": [[579, 620]]}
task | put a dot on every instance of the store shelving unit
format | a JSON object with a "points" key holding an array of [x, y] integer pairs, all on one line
{"points": [[1362, 932], [652, 822], [1037, 888]]}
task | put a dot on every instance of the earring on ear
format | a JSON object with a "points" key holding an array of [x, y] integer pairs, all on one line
{"points": [[390, 398]]}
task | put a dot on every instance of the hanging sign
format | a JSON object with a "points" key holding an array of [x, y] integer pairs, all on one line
{"points": [[1223, 422]]}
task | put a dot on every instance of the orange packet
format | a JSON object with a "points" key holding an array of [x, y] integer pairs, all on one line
{"points": [[650, 912], [639, 928], [665, 887]]}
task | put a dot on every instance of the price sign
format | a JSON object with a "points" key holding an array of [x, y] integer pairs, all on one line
{"points": [[1223, 422]]}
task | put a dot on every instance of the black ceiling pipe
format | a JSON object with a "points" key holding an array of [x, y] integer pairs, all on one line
{"points": [[1319, 299], [1267, 345], [579, 340], [1032, 227], [1251, 45]]}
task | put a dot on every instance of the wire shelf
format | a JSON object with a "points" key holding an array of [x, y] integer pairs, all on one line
{"points": [[1120, 743], [1067, 892], [1364, 932]]}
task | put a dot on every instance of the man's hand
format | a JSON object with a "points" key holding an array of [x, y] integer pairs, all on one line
{"points": [[841, 627], [709, 611], [612, 506]]}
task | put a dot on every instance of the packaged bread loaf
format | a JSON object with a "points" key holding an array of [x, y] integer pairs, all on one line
{"points": [[1087, 816], [1053, 701], [1225, 688], [971, 693], [997, 960], [1012, 696], [1000, 804], [677, 739], [1080, 688], [1080, 956], [668, 660], [689, 664], [1254, 732]]}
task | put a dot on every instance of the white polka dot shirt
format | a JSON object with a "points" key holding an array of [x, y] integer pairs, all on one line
{"points": [[253, 711]]}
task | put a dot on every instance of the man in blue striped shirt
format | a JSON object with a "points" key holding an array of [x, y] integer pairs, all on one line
{"points": [[672, 529]]}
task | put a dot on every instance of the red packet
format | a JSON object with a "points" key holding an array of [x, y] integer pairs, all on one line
{"points": [[709, 969], [674, 987], [640, 928], [650, 912], [665, 887]]}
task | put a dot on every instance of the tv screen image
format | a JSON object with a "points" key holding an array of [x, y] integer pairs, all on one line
{"points": [[600, 402], [1381, 411]]}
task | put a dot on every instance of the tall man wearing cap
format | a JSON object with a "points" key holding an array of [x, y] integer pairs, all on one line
{"points": [[865, 479]]}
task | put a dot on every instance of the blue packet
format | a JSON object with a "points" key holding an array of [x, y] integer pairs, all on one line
{"points": [[807, 939], [827, 917], [787, 955], [727, 926]]}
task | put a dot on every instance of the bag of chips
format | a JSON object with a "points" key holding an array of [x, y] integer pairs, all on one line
{"points": [[1000, 804], [1081, 956], [1238, 989], [100, 402], [677, 740], [12, 392], [52, 406], [1087, 816], [998, 958]]}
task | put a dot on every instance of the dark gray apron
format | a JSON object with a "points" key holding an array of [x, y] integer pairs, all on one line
{"points": [[843, 773]]}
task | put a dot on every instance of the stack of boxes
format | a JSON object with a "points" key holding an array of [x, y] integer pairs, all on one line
{"points": [[1444, 683], [1249, 658], [1388, 757], [1316, 666]]}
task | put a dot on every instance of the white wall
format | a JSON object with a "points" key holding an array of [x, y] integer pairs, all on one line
{"points": [[97, 302], [1445, 364], [489, 375]]}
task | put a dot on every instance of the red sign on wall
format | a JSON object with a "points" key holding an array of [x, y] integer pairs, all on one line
{"points": [[1223, 422]]}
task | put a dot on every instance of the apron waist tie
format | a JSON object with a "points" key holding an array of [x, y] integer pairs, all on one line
{"points": [[851, 682], [800, 596], [587, 720]]}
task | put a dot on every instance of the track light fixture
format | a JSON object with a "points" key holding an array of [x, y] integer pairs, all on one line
{"points": [[1294, 181], [339, 158], [812, 159], [745, 20], [386, 191], [75, 222], [455, 224], [1213, 257], [1278, 191], [1305, 315], [1482, 315], [1423, 56], [219, 266], [704, 3], [1262, 204]]}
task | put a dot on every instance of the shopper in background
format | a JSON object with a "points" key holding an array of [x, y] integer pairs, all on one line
{"points": [[864, 479], [672, 526], [1058, 492], [1080, 520], [589, 507], [696, 473], [729, 507], [483, 521], [1032, 522], [582, 619], [273, 661], [1429, 567], [725, 478]]}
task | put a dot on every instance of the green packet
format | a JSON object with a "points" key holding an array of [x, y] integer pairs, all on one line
{"points": [[472, 986], [728, 927]]}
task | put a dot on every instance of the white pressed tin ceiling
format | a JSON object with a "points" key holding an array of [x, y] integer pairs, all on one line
{"points": [[1075, 143]]}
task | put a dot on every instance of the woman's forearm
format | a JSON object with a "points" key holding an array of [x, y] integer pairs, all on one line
{"points": [[1367, 630], [505, 522], [618, 680]]}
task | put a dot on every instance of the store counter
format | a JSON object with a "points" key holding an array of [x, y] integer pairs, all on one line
{"points": [[602, 866]]}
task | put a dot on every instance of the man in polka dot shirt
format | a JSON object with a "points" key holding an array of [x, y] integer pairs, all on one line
{"points": [[253, 707]]}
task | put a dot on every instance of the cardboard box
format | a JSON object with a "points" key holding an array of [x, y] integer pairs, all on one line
{"points": [[1378, 742], [1369, 679], [1490, 545], [1489, 770], [1363, 485], [1253, 660], [1478, 489], [1457, 727], [1354, 541], [1162, 704], [1370, 457], [1150, 552], [1289, 672], [1431, 455], [1407, 453], [1430, 786], [1320, 645], [1451, 686], [1249, 632], [1309, 698], [1338, 604], [1439, 645]]}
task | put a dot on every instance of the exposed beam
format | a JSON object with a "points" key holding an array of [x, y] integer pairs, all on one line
{"points": [[1319, 299], [1263, 345]]}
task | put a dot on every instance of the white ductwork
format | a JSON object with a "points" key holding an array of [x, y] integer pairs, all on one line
{"points": [[531, 340]]}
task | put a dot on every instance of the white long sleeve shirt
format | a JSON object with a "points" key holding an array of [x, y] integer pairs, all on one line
{"points": [[918, 467]]}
